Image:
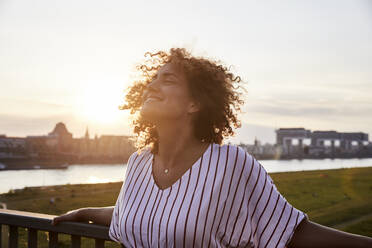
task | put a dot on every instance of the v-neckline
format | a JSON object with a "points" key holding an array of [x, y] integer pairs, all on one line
{"points": [[193, 166]]}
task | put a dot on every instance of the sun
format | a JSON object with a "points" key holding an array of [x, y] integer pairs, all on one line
{"points": [[100, 104]]}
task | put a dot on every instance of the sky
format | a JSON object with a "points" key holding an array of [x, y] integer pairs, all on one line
{"points": [[304, 63]]}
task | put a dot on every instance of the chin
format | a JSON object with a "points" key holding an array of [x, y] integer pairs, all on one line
{"points": [[159, 114], [149, 115]]}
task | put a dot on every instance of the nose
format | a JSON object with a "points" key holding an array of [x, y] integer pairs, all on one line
{"points": [[153, 84], [150, 87]]}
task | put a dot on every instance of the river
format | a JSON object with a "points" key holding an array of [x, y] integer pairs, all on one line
{"points": [[85, 174]]}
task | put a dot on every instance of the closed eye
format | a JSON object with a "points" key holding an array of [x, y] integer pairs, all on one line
{"points": [[169, 82]]}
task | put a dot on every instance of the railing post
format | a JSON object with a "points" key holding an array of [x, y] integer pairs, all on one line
{"points": [[13, 237], [32, 238], [53, 240], [75, 241], [100, 243], [12, 220], [1, 235]]}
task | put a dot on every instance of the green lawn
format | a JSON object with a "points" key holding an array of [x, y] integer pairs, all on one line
{"points": [[329, 197]]}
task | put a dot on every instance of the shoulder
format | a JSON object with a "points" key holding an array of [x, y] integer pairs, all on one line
{"points": [[235, 155], [139, 155], [135, 160], [232, 151]]}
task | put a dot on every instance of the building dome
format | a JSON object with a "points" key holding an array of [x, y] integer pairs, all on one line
{"points": [[60, 130]]}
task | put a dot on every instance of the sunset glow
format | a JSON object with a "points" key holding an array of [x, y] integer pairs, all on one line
{"points": [[99, 104], [306, 64]]}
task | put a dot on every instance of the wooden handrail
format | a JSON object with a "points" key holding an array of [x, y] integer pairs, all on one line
{"points": [[36, 221]]}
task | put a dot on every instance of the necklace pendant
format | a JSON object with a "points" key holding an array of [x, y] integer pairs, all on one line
{"points": [[166, 171]]}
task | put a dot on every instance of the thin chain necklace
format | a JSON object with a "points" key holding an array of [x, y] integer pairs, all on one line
{"points": [[166, 171], [153, 162]]}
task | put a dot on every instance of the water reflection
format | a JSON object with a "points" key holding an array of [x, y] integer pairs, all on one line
{"points": [[85, 174]]}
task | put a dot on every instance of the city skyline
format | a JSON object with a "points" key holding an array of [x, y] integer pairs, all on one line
{"points": [[305, 64], [88, 135]]}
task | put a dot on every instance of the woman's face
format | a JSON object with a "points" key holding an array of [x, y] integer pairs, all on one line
{"points": [[167, 97]]}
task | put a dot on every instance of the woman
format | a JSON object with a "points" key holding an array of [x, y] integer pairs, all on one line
{"points": [[183, 188]]}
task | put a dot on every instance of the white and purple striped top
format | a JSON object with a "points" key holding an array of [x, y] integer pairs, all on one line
{"points": [[226, 199]]}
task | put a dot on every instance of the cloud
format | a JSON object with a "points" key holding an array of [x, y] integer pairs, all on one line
{"points": [[30, 108], [294, 111], [316, 108]]}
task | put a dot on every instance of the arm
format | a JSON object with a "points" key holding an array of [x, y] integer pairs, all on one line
{"points": [[101, 216], [310, 234]]}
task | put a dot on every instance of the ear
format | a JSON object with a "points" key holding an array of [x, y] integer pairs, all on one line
{"points": [[194, 107]]}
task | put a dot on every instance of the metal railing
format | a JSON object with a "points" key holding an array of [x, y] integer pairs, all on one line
{"points": [[34, 222]]}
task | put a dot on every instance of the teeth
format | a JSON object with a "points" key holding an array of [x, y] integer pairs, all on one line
{"points": [[152, 98], [155, 98]]}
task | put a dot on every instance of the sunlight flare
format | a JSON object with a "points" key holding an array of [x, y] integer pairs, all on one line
{"points": [[100, 104]]}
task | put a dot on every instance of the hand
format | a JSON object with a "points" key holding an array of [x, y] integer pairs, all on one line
{"points": [[100, 216], [73, 215]]}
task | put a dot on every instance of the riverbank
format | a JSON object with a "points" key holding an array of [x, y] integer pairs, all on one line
{"points": [[51, 163], [337, 198], [47, 166]]}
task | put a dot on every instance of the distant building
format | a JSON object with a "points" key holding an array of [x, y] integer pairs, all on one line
{"points": [[41, 146], [262, 151], [321, 143], [12, 147], [64, 137], [111, 145], [285, 137], [60, 145]]}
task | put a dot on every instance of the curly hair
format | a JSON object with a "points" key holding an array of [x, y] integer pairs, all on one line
{"points": [[210, 83]]}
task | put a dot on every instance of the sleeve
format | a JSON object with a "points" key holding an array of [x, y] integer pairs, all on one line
{"points": [[272, 219], [114, 230]]}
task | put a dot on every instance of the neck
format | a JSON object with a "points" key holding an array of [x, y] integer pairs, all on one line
{"points": [[177, 144]]}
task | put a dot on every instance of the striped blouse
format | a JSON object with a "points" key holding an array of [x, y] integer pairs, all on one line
{"points": [[225, 199]]}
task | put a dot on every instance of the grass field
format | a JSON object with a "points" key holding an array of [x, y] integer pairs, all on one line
{"points": [[336, 198]]}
